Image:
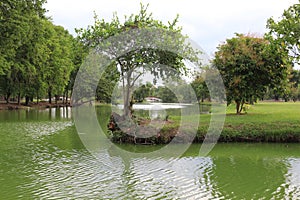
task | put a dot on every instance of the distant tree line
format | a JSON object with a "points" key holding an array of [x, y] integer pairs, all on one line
{"points": [[180, 92]]}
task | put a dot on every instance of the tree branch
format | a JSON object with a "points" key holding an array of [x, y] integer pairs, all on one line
{"points": [[135, 79]]}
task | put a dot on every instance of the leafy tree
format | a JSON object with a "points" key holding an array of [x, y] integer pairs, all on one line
{"points": [[31, 58], [287, 30], [166, 95], [105, 88], [295, 93], [178, 90], [19, 20], [133, 64], [36, 57], [60, 60], [15, 17], [294, 78], [200, 88], [248, 65], [79, 52], [293, 90], [145, 90]]}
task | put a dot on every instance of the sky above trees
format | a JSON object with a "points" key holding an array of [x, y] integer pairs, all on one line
{"points": [[208, 23]]}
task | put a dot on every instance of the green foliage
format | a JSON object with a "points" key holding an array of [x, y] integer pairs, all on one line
{"points": [[287, 30], [185, 93], [145, 90], [105, 88], [19, 32], [15, 22], [248, 65], [293, 90], [290, 91], [133, 64], [166, 95], [35, 55], [200, 88], [60, 61]]}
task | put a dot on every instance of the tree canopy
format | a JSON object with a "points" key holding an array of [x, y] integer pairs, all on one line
{"points": [[36, 56], [249, 64], [16, 19], [143, 50], [200, 88], [287, 30]]}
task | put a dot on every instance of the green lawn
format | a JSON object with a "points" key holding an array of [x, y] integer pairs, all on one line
{"points": [[268, 112], [264, 122]]}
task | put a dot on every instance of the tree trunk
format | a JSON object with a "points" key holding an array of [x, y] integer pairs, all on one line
{"points": [[251, 101], [238, 103], [56, 99], [63, 98], [27, 98], [124, 92], [37, 98], [19, 98], [66, 97], [241, 106], [127, 96], [126, 102], [71, 93], [50, 97], [286, 99], [7, 98]]}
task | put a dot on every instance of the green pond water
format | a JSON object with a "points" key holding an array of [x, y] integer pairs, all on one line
{"points": [[42, 156]]}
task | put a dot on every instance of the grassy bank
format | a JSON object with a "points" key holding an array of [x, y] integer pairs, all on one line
{"points": [[264, 122]]}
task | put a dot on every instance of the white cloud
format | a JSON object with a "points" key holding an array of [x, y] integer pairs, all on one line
{"points": [[207, 22]]}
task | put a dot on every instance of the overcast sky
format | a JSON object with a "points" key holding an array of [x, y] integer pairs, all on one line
{"points": [[207, 22]]}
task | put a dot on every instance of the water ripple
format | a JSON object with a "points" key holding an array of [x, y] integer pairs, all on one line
{"points": [[50, 165]]}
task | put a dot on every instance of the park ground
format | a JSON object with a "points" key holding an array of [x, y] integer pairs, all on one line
{"points": [[263, 122]]}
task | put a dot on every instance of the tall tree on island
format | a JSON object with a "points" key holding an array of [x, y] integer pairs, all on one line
{"points": [[133, 64]]}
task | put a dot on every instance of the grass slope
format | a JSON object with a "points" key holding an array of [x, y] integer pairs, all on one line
{"points": [[264, 122]]}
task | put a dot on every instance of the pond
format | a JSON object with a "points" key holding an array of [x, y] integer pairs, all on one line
{"points": [[43, 157], [161, 110]]}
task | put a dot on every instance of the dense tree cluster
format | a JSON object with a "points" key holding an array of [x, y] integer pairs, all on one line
{"points": [[36, 56]]}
